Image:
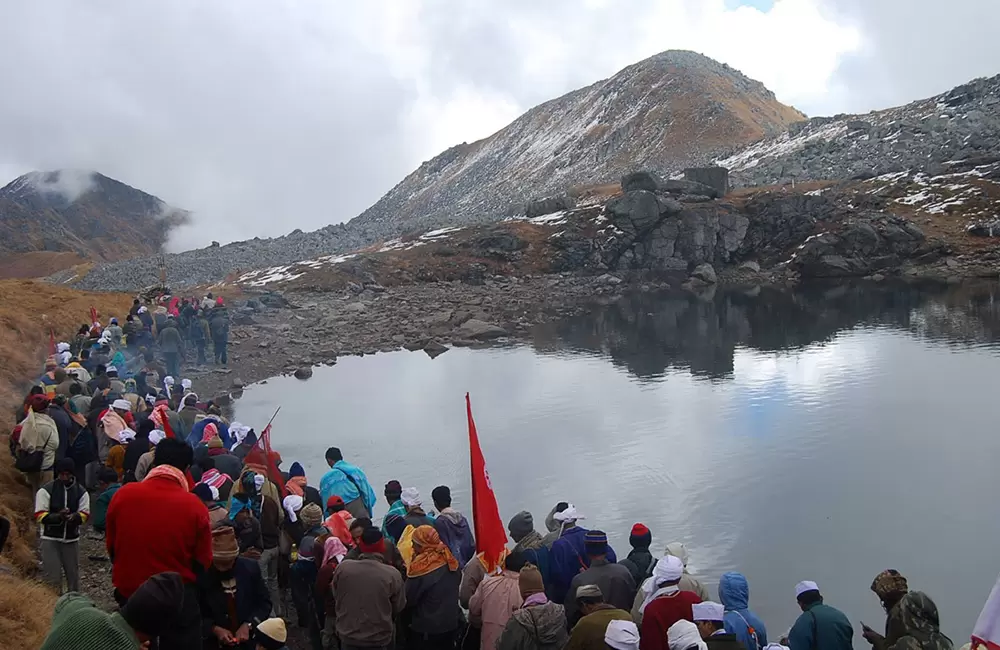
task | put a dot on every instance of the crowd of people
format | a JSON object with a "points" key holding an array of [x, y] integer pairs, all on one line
{"points": [[214, 544]]}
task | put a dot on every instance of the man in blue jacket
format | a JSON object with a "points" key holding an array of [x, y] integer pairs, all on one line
{"points": [[349, 483], [569, 554], [734, 593], [819, 627], [452, 527]]}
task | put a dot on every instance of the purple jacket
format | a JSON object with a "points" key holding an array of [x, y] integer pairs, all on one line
{"points": [[453, 528]]}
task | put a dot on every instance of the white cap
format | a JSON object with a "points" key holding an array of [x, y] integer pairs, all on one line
{"points": [[622, 635], [804, 586], [126, 435], [569, 514], [186, 384], [121, 405], [411, 497], [112, 369], [155, 436], [668, 568], [708, 611]]}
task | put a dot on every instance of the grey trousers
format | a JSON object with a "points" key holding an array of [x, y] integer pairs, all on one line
{"points": [[357, 508], [268, 563], [59, 558]]}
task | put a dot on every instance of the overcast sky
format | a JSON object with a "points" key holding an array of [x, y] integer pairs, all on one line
{"points": [[262, 116]]}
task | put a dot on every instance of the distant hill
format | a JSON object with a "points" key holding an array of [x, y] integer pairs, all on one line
{"points": [[674, 110], [53, 220]]}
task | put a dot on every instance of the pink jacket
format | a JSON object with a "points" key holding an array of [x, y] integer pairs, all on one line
{"points": [[493, 604]]}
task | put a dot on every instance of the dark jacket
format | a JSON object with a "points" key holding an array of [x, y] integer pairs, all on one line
{"points": [[821, 627], [228, 464], [270, 522], [614, 580], [392, 556], [99, 512], [66, 427], [538, 627], [724, 641], [640, 564], [369, 597], [170, 340], [199, 330], [248, 534], [220, 325], [417, 520], [51, 499], [432, 600], [567, 558], [453, 529], [133, 452], [253, 602]]}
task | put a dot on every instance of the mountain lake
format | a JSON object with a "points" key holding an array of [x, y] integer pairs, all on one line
{"points": [[823, 434]]}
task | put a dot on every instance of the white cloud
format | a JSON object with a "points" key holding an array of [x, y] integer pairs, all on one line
{"points": [[262, 117]]}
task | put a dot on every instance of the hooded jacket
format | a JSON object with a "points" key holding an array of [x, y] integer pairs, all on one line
{"points": [[453, 528], [538, 627], [734, 593]]}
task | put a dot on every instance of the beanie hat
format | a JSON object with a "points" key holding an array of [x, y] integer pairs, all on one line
{"points": [[640, 537], [595, 541], [372, 541], [520, 525], [529, 581], [311, 515], [271, 634], [203, 491], [224, 546], [393, 487]]}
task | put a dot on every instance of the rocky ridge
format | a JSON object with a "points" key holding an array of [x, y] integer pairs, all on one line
{"points": [[923, 136]]}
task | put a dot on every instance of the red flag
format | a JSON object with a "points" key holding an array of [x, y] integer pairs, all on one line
{"points": [[52, 342], [491, 536], [264, 461], [93, 315]]}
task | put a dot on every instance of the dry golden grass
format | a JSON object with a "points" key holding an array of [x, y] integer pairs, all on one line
{"points": [[25, 612], [28, 309], [37, 264]]}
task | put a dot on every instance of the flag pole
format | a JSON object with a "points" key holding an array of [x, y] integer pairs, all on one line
{"points": [[272, 418]]}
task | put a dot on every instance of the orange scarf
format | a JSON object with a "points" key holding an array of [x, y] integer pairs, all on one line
{"points": [[168, 472], [296, 485], [429, 553]]}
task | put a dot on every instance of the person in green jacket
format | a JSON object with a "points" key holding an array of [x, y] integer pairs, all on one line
{"points": [[107, 485], [819, 627]]}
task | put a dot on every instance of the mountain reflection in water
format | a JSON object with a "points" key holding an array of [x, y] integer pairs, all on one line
{"points": [[824, 434]]}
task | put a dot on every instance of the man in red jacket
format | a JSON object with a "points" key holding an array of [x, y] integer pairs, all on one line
{"points": [[158, 526], [666, 604]]}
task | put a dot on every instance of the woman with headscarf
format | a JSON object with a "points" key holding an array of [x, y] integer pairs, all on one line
{"points": [[334, 552], [338, 521], [432, 592]]}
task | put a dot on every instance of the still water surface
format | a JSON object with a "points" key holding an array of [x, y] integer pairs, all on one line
{"points": [[821, 435]]}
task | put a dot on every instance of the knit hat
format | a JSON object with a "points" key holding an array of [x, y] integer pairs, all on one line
{"points": [[271, 634], [393, 487], [529, 581], [51, 364], [65, 465], [295, 470], [224, 546], [595, 542], [155, 604], [640, 537], [889, 582], [520, 525], [38, 403], [215, 442], [311, 515]]}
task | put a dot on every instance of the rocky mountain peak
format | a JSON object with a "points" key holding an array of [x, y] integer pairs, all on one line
{"points": [[91, 217], [674, 110]]}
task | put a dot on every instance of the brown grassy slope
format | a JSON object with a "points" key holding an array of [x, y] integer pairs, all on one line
{"points": [[27, 310], [37, 264]]}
